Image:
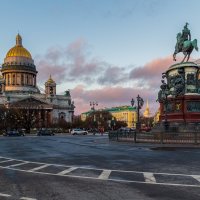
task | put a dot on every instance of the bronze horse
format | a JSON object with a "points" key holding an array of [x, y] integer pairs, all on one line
{"points": [[186, 47]]}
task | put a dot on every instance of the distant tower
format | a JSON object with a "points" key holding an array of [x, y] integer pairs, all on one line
{"points": [[50, 87], [147, 112]]}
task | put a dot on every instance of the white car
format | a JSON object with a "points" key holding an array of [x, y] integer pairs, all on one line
{"points": [[78, 131]]}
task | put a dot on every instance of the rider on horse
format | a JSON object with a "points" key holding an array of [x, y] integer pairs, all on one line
{"points": [[184, 37], [184, 44]]}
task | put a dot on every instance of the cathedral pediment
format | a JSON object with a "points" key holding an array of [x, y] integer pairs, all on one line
{"points": [[31, 103]]}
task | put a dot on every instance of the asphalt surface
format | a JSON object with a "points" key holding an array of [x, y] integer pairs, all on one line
{"points": [[90, 167]]}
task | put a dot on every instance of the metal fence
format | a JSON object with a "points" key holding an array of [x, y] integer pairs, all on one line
{"points": [[161, 137]]}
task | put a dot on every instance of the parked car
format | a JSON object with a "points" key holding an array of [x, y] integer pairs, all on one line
{"points": [[14, 133], [45, 132], [145, 129], [78, 131], [126, 129]]}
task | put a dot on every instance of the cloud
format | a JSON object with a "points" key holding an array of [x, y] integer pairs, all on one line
{"points": [[81, 65], [113, 75], [66, 64], [110, 97], [147, 79], [150, 73], [118, 84]]}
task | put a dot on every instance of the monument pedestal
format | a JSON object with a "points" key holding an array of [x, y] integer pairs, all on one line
{"points": [[182, 106]]}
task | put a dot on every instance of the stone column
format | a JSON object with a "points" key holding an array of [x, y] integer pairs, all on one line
{"points": [[50, 117]]}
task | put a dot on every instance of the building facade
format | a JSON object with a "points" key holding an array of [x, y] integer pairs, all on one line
{"points": [[18, 89], [125, 114]]}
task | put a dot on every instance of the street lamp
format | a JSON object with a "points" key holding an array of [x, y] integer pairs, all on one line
{"points": [[140, 103], [93, 104]]}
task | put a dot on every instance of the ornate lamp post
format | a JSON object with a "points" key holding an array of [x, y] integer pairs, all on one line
{"points": [[140, 103], [93, 104]]}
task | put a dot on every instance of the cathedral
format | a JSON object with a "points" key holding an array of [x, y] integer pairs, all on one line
{"points": [[18, 89]]}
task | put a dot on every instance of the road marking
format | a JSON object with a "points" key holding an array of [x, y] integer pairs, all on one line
{"points": [[149, 177], [38, 168], [105, 174], [114, 170], [5, 195], [6, 161], [114, 180], [196, 177], [27, 198], [66, 171], [19, 164]]}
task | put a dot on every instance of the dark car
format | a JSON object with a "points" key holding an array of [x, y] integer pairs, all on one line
{"points": [[45, 132], [14, 133]]}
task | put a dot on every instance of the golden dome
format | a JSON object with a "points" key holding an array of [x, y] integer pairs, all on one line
{"points": [[18, 49], [50, 80]]}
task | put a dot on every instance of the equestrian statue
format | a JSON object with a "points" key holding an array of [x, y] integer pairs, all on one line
{"points": [[184, 44]]}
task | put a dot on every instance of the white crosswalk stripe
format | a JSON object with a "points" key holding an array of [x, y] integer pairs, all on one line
{"points": [[27, 198], [4, 195], [66, 171], [6, 161], [19, 164], [149, 177], [196, 177], [105, 174], [38, 168]]}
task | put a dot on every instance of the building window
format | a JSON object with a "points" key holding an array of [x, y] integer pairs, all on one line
{"points": [[8, 79], [22, 79], [33, 81], [18, 79], [13, 79], [27, 82], [62, 115]]}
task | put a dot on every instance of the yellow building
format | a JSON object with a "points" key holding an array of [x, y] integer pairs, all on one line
{"points": [[126, 114]]}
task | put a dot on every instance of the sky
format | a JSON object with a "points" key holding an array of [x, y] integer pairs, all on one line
{"points": [[106, 51]]}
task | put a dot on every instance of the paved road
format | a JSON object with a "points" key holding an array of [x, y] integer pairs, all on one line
{"points": [[90, 167]]}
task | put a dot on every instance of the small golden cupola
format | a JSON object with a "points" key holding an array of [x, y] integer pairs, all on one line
{"points": [[50, 87]]}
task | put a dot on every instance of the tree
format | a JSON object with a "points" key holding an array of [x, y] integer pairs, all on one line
{"points": [[119, 124], [99, 120], [146, 121]]}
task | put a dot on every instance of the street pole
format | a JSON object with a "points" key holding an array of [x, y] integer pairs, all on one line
{"points": [[138, 113], [140, 103]]}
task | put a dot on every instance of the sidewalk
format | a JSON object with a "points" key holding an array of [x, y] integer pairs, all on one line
{"points": [[158, 145]]}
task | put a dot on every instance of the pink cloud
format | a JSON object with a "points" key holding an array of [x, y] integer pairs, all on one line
{"points": [[110, 97], [151, 72], [74, 64]]}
